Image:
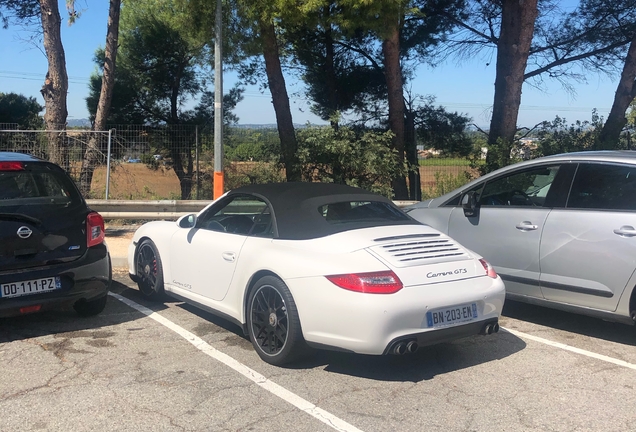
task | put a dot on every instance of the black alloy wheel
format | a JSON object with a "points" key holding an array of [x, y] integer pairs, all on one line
{"points": [[273, 323], [149, 270]]}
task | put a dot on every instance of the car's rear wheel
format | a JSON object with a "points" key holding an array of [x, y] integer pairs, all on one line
{"points": [[90, 308], [273, 322], [149, 270]]}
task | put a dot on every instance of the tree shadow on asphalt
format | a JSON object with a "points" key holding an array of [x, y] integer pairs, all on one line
{"points": [[66, 321], [571, 322], [425, 364]]}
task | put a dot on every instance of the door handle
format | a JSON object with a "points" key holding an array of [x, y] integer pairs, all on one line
{"points": [[625, 231], [229, 256], [526, 226]]}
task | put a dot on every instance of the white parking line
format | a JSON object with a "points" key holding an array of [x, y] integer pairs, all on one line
{"points": [[292, 398], [571, 349]]}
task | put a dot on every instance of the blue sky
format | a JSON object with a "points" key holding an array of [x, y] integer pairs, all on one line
{"points": [[466, 88]]}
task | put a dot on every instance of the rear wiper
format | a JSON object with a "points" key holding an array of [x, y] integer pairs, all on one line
{"points": [[20, 217]]}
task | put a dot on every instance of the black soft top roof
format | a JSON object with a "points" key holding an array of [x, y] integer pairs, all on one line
{"points": [[295, 207]]}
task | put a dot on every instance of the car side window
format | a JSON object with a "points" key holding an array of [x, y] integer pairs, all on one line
{"points": [[528, 188], [242, 214], [603, 187]]}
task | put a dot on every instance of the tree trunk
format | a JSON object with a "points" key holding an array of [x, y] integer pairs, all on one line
{"points": [[184, 174], [177, 136], [95, 146], [280, 99], [625, 94], [517, 27], [330, 73], [410, 145], [393, 74], [55, 85]]}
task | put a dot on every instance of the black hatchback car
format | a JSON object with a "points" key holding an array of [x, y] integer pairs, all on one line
{"points": [[52, 249]]}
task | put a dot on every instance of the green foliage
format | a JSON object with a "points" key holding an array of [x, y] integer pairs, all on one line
{"points": [[252, 145], [19, 12], [21, 110], [245, 173], [558, 137], [125, 105], [444, 161], [442, 130], [337, 45], [150, 161], [342, 155], [496, 156], [445, 183]]}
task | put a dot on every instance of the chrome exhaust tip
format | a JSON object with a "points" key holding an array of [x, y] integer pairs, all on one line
{"points": [[412, 346], [400, 349], [487, 329]]}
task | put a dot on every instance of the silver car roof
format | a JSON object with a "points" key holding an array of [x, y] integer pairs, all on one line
{"points": [[620, 156]]}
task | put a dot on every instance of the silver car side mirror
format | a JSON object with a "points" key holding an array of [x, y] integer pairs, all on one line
{"points": [[469, 204]]}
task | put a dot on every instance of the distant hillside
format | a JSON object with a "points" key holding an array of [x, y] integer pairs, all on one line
{"points": [[81, 123], [85, 123]]}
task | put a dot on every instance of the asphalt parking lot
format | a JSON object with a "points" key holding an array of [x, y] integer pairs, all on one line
{"points": [[168, 366]]}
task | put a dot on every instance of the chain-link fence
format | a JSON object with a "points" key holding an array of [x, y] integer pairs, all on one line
{"points": [[146, 162], [69, 145], [177, 162]]}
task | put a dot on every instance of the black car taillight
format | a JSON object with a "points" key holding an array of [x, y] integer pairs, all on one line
{"points": [[94, 229]]}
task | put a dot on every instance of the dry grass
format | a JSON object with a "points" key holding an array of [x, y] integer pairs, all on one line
{"points": [[129, 181]]}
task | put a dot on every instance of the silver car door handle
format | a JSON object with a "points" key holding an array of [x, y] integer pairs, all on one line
{"points": [[526, 226], [626, 231], [229, 256]]}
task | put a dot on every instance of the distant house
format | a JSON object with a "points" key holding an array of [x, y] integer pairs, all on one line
{"points": [[527, 146], [427, 153]]}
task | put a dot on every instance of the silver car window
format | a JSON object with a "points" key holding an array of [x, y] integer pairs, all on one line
{"points": [[604, 187], [526, 188]]}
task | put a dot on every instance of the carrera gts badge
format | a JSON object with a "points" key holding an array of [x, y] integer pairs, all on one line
{"points": [[24, 232]]}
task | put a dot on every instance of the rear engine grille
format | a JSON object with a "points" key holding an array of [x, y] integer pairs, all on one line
{"points": [[417, 251]]}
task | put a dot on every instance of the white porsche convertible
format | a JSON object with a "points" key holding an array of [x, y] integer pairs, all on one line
{"points": [[319, 265]]}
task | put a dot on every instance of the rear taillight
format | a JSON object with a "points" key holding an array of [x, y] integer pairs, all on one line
{"points": [[30, 309], [94, 229], [11, 166], [384, 282], [489, 270]]}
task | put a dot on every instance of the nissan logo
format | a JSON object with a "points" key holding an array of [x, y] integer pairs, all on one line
{"points": [[24, 232]]}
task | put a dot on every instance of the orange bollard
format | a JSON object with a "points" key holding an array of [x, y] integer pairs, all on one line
{"points": [[218, 184]]}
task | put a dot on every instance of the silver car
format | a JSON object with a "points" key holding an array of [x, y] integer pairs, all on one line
{"points": [[559, 230]]}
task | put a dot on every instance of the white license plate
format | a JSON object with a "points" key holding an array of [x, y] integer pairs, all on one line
{"points": [[452, 315], [34, 286]]}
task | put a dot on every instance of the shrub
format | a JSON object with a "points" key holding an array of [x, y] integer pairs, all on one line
{"points": [[342, 155]]}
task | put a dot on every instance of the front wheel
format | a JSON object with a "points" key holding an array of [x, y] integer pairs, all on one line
{"points": [[149, 270], [273, 323]]}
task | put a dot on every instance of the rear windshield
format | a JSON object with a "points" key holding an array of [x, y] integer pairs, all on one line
{"points": [[361, 211], [36, 186]]}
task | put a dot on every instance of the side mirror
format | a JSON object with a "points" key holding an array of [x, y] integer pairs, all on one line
{"points": [[187, 221], [469, 204]]}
